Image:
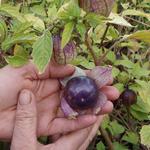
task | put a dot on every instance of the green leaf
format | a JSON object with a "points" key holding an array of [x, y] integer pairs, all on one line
{"points": [[37, 23], [38, 9], [20, 51], [20, 57], [3, 30], [112, 33], [81, 28], [20, 27], [105, 122], [118, 20], [118, 146], [99, 32], [52, 13], [115, 128], [139, 115], [125, 63], [100, 146], [12, 11], [139, 71], [123, 77], [141, 106], [115, 72], [111, 56], [145, 135], [88, 65], [144, 91], [140, 35], [120, 87], [67, 34], [94, 19], [16, 61], [83, 62], [133, 12], [131, 137], [42, 51], [69, 11], [21, 38]]}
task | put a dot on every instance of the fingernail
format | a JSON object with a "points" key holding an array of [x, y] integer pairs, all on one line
{"points": [[25, 97]]}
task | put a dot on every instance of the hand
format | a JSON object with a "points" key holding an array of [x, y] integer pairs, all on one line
{"points": [[24, 134], [46, 89]]}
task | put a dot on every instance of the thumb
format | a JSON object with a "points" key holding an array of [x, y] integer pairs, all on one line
{"points": [[24, 135]]}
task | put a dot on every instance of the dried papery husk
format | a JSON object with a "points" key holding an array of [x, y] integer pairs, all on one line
{"points": [[65, 55], [67, 110], [102, 75], [102, 7], [102, 100]]}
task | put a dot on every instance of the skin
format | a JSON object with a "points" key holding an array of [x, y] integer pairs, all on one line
{"points": [[26, 125], [46, 89]]}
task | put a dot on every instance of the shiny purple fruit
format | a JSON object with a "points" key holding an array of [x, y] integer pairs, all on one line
{"points": [[128, 97], [81, 93]]}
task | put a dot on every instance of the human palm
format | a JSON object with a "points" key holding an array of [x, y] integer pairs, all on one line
{"points": [[46, 89]]}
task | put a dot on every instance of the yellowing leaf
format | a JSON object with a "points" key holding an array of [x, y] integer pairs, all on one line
{"points": [[116, 19], [42, 51], [16, 61], [144, 92], [20, 57], [145, 135], [140, 35], [38, 23], [133, 12], [131, 137], [12, 11], [21, 38], [69, 11]]}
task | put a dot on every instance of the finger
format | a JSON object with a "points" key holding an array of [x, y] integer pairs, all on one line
{"points": [[107, 108], [52, 70], [91, 134], [60, 113], [24, 135], [75, 140], [7, 124], [44, 88], [111, 92], [110, 82], [57, 71], [64, 125]]}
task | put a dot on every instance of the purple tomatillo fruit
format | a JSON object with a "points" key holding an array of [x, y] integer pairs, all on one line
{"points": [[128, 97], [65, 55], [81, 93]]}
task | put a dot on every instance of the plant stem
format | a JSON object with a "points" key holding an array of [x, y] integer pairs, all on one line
{"points": [[89, 46], [129, 118], [122, 119], [105, 54], [96, 61], [145, 24], [106, 137], [104, 35]]}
